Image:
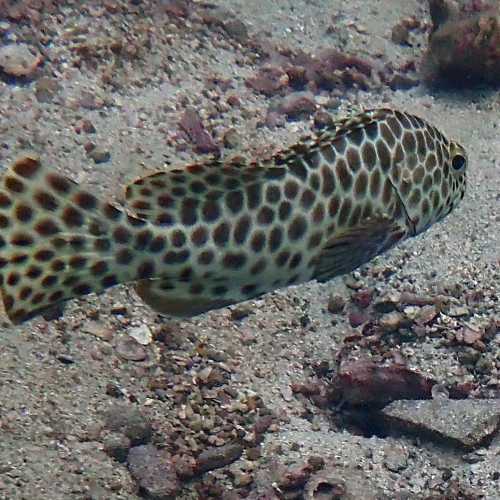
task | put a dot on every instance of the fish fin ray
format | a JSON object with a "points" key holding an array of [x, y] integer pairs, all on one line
{"points": [[353, 247], [173, 302]]}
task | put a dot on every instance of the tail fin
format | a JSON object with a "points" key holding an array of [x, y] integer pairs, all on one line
{"points": [[57, 241]]}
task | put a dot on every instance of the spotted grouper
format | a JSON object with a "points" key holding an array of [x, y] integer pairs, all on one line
{"points": [[220, 232]]}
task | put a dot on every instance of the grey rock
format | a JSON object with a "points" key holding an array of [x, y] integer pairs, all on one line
{"points": [[466, 423], [130, 422], [117, 445], [396, 458], [341, 482], [153, 470]]}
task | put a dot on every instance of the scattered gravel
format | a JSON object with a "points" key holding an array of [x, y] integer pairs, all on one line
{"points": [[107, 400]]}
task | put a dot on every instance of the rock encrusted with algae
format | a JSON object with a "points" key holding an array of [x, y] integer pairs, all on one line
{"points": [[464, 44]]}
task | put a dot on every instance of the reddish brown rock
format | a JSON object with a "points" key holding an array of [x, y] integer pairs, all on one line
{"points": [[298, 105], [365, 382], [269, 81], [464, 45], [215, 458], [192, 125]]}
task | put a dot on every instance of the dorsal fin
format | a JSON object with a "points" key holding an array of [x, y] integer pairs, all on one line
{"points": [[159, 197]]}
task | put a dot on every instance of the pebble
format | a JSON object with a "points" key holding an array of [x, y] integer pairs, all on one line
{"points": [[19, 60], [154, 471], [116, 445], [142, 334], [214, 458], [98, 330], [130, 350], [336, 304], [391, 322], [130, 422], [46, 89], [298, 105], [231, 139], [99, 155], [396, 458]]}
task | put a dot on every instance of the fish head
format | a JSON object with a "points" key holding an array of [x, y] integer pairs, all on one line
{"points": [[431, 188]]}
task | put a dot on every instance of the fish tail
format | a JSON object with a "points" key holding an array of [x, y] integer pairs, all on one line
{"points": [[57, 241]]}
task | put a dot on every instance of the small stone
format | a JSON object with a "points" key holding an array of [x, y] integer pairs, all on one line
{"points": [[129, 421], [99, 155], [130, 350], [240, 312], [19, 60], [391, 322], [468, 336], [46, 89], [231, 139], [142, 334], [242, 479], [387, 302], [402, 82], [215, 458], [154, 471], [363, 298], [98, 330], [298, 105], [192, 124], [322, 119], [336, 304], [116, 445], [426, 315], [400, 34], [88, 127], [396, 458], [269, 81], [357, 318], [458, 311]]}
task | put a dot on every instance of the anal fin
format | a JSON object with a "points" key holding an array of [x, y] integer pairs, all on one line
{"points": [[164, 299]]}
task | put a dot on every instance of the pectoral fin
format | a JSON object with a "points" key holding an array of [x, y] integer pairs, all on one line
{"points": [[353, 247]]}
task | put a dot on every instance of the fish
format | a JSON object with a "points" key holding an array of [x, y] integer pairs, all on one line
{"points": [[219, 232]]}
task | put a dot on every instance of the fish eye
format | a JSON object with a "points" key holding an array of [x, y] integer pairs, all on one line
{"points": [[458, 162]]}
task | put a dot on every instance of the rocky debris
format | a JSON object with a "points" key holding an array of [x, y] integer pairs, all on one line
{"points": [[328, 70], [117, 446], [141, 334], [366, 383], [399, 81], [192, 125], [215, 458], [401, 32], [154, 471], [336, 304], [216, 17], [468, 423], [129, 421], [19, 60], [464, 44], [298, 105], [98, 154], [269, 81], [337, 482], [130, 350], [98, 330], [231, 139], [47, 89]]}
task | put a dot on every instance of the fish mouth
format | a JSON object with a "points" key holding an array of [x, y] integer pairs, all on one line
{"points": [[409, 221]]}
